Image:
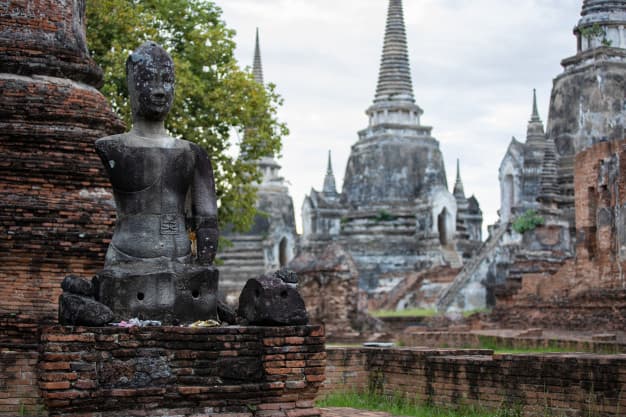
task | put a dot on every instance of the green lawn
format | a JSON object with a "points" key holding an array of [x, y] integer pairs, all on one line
{"points": [[400, 406]]}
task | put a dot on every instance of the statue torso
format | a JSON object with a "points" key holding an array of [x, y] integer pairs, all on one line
{"points": [[150, 186]]}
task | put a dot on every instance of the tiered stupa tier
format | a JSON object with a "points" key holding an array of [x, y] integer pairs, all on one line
{"points": [[586, 106]]}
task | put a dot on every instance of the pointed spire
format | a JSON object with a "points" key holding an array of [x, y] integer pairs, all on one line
{"points": [[394, 78], [458, 192], [257, 66], [535, 131], [330, 189], [329, 167], [535, 116], [268, 161]]}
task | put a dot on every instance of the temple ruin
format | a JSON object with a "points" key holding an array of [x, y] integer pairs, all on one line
{"points": [[395, 213], [561, 175]]}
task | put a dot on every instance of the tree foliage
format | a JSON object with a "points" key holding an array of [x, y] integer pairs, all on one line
{"points": [[217, 104]]}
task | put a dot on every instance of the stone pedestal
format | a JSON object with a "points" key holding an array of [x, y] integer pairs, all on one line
{"points": [[181, 294], [167, 371]]}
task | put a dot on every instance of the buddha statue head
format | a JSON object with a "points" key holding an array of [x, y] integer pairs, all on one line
{"points": [[150, 77]]}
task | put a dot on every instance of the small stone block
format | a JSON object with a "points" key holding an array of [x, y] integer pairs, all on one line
{"points": [[269, 301], [77, 285], [77, 310]]}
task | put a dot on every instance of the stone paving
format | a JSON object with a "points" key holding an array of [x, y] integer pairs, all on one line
{"points": [[351, 412]]}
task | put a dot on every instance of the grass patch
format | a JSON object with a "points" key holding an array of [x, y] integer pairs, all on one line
{"points": [[552, 346], [411, 312], [399, 405], [469, 313], [513, 351]]}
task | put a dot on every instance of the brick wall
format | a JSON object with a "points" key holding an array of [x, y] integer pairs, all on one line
{"points": [[475, 340], [244, 371], [19, 391], [588, 292], [570, 384], [600, 187], [329, 285], [56, 213]]}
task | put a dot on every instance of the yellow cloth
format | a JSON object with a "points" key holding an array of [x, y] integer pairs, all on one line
{"points": [[204, 323]]}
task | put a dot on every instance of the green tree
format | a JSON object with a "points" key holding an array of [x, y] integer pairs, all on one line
{"points": [[217, 103]]}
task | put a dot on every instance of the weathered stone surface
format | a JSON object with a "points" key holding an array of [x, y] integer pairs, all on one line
{"points": [[77, 285], [586, 106], [176, 295], [395, 213], [287, 276], [226, 313], [268, 300], [150, 270], [19, 357], [177, 371], [134, 372], [531, 384], [586, 109], [55, 206], [585, 292], [417, 290], [76, 310], [329, 285]]}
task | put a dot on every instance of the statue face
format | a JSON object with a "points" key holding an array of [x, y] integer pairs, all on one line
{"points": [[150, 76]]}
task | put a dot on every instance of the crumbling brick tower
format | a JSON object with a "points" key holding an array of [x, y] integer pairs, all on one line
{"points": [[56, 212]]}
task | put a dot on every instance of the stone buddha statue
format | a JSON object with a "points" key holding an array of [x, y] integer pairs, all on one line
{"points": [[164, 192]]}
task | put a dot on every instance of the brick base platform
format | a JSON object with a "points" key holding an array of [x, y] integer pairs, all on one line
{"points": [[475, 339], [166, 371], [537, 384], [19, 394]]}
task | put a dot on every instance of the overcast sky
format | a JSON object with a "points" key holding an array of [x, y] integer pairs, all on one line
{"points": [[474, 64]]}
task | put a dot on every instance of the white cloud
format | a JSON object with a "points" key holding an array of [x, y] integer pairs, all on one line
{"points": [[474, 65]]}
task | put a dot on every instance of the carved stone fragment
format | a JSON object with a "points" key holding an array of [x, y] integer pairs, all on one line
{"points": [[76, 310], [269, 301]]}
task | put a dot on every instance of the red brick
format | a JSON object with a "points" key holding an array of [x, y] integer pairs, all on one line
{"points": [[55, 366], [55, 385], [84, 384]]}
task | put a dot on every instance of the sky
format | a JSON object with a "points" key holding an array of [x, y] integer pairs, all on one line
{"points": [[474, 65]]}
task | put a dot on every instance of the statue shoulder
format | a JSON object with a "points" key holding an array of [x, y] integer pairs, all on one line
{"points": [[106, 143], [197, 149]]}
